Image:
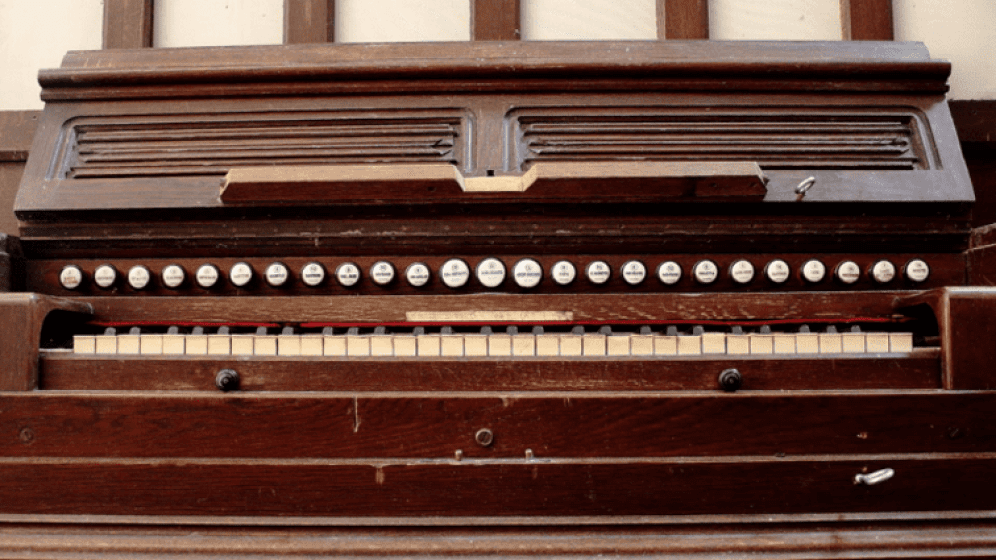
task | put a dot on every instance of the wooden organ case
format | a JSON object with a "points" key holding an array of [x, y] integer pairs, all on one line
{"points": [[497, 299]]}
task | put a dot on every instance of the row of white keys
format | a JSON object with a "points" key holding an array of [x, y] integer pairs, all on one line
{"points": [[489, 344]]}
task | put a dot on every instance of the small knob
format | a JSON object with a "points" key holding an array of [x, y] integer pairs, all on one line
{"points": [[730, 380], [227, 380]]}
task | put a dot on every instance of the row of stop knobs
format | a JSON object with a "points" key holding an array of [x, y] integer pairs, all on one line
{"points": [[491, 272]]}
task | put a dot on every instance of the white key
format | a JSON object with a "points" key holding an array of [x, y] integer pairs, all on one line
{"points": [[547, 345], [288, 345], [106, 344], [738, 344], [312, 345], [451, 345], [593, 344], [219, 344], [243, 345], [334, 345], [617, 345], [405, 345], [381, 345], [853, 343], [264, 345], [665, 345], [524, 345], [641, 345], [901, 342], [807, 343], [831, 343], [763, 344], [428, 345], [357, 345], [499, 345], [150, 343], [475, 345], [84, 344], [689, 345], [571, 345], [713, 343], [783, 343], [196, 344], [129, 344], [877, 343], [174, 344]]}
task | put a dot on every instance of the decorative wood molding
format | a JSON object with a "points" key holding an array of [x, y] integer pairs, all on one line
{"points": [[17, 129], [309, 21], [495, 20], [127, 24], [866, 20], [682, 19]]}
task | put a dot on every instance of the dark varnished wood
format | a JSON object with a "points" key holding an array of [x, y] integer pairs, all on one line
{"points": [[447, 488], [495, 20], [602, 308], [309, 21], [682, 19], [127, 24], [866, 20], [554, 425], [967, 326], [920, 370], [22, 316]]}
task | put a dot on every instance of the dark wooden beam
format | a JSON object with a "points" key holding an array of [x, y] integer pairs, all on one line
{"points": [[309, 21], [866, 20], [495, 20], [682, 19], [127, 24]]}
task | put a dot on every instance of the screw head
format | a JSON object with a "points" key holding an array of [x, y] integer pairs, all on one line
{"points": [[484, 437]]}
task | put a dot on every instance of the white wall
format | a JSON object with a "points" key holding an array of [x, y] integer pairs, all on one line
{"points": [[781, 20], [578, 20], [36, 34], [962, 31], [377, 21], [210, 23]]}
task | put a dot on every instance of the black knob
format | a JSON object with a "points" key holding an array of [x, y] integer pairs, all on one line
{"points": [[484, 437], [730, 380], [227, 380]]}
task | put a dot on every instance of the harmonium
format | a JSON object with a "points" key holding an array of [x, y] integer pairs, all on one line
{"points": [[498, 299]]}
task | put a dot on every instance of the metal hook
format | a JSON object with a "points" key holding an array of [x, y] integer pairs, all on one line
{"points": [[874, 478], [804, 186]]}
